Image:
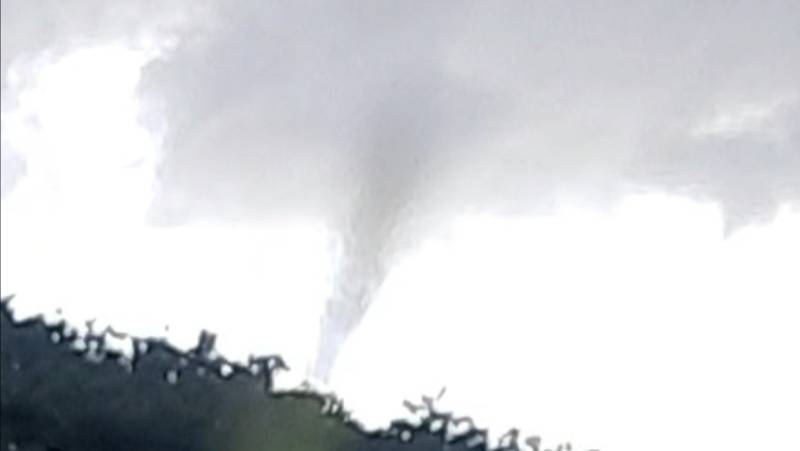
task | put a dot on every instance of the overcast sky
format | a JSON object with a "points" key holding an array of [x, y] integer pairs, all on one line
{"points": [[577, 99], [352, 135]]}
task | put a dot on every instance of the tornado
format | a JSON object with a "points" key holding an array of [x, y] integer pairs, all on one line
{"points": [[392, 157]]}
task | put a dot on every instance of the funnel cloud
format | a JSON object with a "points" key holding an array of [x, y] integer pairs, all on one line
{"points": [[377, 116], [383, 119]]}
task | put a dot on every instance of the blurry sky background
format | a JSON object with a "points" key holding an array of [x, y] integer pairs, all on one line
{"points": [[579, 218]]}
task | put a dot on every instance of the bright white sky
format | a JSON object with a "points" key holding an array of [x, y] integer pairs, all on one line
{"points": [[634, 327]]}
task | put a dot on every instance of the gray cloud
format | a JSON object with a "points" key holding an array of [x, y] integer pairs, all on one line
{"points": [[750, 172], [46, 29], [372, 115]]}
